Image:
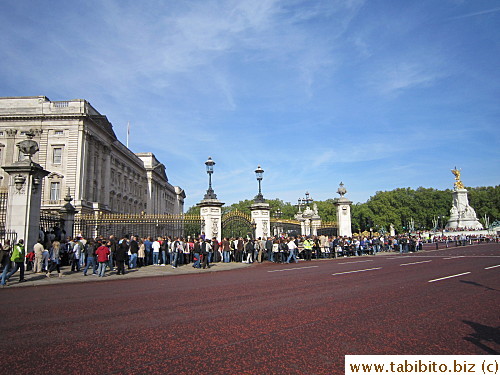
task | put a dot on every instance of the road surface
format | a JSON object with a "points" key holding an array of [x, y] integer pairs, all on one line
{"points": [[265, 319]]}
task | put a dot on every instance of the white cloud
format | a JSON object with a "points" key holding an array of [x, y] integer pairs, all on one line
{"points": [[475, 14], [407, 75]]}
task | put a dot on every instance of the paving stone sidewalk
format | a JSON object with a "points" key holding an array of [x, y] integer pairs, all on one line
{"points": [[34, 279]]}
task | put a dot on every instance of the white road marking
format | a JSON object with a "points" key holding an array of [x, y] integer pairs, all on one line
{"points": [[409, 264], [368, 269], [292, 269], [489, 268], [453, 257], [359, 261], [448, 277]]}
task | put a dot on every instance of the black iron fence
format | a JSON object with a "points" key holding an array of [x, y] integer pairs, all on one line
{"points": [[328, 228], [91, 226], [8, 235], [5, 234], [50, 221], [290, 227], [3, 209]]}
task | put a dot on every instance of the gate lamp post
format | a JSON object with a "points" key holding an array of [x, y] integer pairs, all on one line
{"points": [[210, 169], [278, 214], [307, 200], [259, 198], [299, 204]]}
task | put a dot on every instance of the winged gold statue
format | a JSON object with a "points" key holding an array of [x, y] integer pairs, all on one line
{"points": [[458, 183]]}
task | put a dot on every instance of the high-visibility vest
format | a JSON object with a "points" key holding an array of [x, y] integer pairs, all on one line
{"points": [[307, 245]]}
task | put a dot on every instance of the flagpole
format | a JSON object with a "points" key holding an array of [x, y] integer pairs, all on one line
{"points": [[128, 131]]}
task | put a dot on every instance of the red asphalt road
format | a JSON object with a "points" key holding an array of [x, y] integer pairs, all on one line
{"points": [[265, 319]]}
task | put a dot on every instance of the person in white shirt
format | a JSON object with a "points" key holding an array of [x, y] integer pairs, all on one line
{"points": [[292, 246], [156, 250]]}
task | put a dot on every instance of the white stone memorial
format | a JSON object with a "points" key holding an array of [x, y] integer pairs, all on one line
{"points": [[462, 215]]}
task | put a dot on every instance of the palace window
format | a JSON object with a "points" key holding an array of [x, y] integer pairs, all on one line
{"points": [[57, 155], [55, 191], [58, 132]]}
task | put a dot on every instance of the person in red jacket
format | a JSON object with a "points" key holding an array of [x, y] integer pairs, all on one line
{"points": [[102, 253]]}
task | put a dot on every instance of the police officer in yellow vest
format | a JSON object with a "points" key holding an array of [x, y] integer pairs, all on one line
{"points": [[308, 245]]}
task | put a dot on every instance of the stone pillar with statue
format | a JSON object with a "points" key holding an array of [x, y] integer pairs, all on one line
{"points": [[210, 208], [211, 214], [343, 213], [25, 194], [261, 212], [315, 220], [262, 219], [309, 219], [462, 215]]}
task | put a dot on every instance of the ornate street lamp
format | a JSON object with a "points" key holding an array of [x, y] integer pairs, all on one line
{"points": [[308, 200], [210, 169], [254, 229], [259, 198], [299, 204], [278, 214]]}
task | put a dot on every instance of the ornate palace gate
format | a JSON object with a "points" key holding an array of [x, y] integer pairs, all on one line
{"points": [[237, 224], [285, 226], [91, 226], [328, 229]]}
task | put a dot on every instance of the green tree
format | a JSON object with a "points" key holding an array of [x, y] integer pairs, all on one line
{"points": [[396, 207]]}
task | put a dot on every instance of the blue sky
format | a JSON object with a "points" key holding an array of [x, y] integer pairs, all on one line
{"points": [[377, 94]]}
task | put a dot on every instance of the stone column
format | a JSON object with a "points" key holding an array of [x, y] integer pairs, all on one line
{"points": [[25, 195], [98, 175], [90, 170], [262, 219], [10, 149], [343, 213], [315, 225], [211, 213], [107, 177]]}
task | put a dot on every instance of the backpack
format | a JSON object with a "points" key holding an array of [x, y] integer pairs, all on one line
{"points": [[177, 246]]}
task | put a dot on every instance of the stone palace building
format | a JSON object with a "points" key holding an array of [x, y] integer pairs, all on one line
{"points": [[82, 153]]}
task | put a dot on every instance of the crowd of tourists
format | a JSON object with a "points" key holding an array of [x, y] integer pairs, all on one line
{"points": [[101, 255]]}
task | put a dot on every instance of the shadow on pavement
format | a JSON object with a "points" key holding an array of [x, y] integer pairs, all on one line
{"points": [[483, 335], [480, 285]]}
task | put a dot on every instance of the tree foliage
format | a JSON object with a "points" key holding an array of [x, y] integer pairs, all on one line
{"points": [[423, 206], [397, 207]]}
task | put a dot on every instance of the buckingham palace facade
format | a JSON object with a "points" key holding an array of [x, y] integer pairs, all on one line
{"points": [[79, 148]]}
